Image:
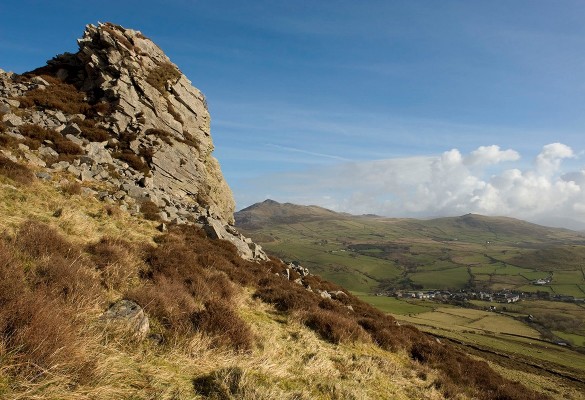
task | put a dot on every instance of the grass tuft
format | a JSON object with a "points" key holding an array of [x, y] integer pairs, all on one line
{"points": [[15, 171]]}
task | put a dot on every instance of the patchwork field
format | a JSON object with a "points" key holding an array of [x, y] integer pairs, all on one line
{"points": [[372, 254], [369, 254], [499, 336]]}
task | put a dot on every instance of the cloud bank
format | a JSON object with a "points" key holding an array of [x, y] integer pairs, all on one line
{"points": [[485, 181]]}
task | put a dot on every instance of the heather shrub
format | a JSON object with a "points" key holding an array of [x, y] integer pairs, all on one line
{"points": [[38, 330], [174, 112], [189, 139], [333, 326], [316, 282], [118, 35], [179, 286], [7, 141], [112, 210], [91, 131], [42, 335], [150, 210], [460, 372], [65, 146], [161, 74], [115, 260], [147, 153], [31, 143], [15, 171], [12, 278], [285, 297], [69, 279], [161, 134], [60, 267], [221, 384], [133, 161], [39, 133], [40, 240], [385, 333], [72, 188], [221, 321], [168, 301], [99, 109], [109, 250], [59, 96]]}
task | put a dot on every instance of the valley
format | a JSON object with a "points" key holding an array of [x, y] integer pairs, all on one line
{"points": [[451, 277]]}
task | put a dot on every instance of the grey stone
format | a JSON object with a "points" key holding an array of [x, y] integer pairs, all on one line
{"points": [[15, 135], [45, 151], [86, 174], [172, 211], [60, 117], [73, 170], [324, 294], [88, 191], [128, 316], [44, 176], [184, 176], [133, 190], [98, 152], [31, 158], [60, 166], [40, 81], [337, 295], [72, 129], [162, 227], [13, 103], [216, 230], [12, 120]]}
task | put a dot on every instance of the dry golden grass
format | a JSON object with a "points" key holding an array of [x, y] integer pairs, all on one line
{"points": [[230, 328]]}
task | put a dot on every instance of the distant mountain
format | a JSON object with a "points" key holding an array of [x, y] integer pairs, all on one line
{"points": [[370, 253], [497, 226], [272, 212]]}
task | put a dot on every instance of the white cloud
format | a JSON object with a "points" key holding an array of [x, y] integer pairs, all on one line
{"points": [[487, 155], [549, 159], [448, 184]]}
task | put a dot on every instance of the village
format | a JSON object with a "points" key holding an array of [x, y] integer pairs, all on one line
{"points": [[461, 296]]}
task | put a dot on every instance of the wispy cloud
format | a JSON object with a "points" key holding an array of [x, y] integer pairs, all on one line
{"points": [[306, 152]]}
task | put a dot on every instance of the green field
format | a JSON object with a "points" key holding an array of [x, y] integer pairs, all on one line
{"points": [[368, 255], [499, 332], [395, 306]]}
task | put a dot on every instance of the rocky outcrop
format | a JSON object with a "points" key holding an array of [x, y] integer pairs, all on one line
{"points": [[119, 112], [155, 101]]}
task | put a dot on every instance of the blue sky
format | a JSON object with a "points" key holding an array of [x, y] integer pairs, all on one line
{"points": [[364, 106]]}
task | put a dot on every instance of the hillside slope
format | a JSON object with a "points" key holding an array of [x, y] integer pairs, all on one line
{"points": [[100, 300], [370, 253]]}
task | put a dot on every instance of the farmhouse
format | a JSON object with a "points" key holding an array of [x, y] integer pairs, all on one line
{"points": [[506, 297]]}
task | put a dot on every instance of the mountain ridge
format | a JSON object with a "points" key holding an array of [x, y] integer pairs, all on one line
{"points": [[270, 211]]}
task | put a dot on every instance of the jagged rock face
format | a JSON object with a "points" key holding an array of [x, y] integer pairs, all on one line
{"points": [[120, 117], [150, 94]]}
